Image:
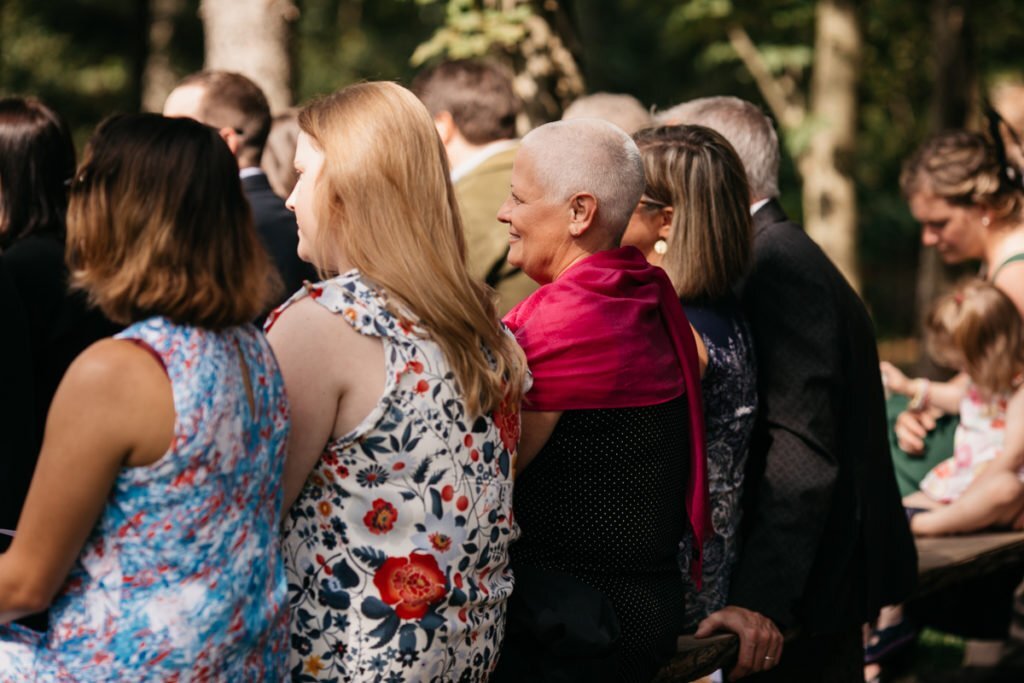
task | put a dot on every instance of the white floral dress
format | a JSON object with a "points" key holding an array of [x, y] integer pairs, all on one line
{"points": [[396, 550]]}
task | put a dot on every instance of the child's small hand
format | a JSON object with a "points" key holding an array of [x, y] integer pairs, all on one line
{"points": [[894, 380]]}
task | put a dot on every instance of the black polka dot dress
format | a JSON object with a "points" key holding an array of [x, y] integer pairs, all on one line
{"points": [[602, 505]]}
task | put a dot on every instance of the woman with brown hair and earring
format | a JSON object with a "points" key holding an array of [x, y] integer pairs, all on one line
{"points": [[405, 395], [693, 220], [152, 520]]}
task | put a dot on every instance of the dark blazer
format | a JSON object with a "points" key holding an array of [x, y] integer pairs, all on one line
{"points": [[18, 444], [825, 540], [279, 232], [61, 324]]}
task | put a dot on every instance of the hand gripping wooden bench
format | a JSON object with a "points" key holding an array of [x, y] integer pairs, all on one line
{"points": [[941, 562]]}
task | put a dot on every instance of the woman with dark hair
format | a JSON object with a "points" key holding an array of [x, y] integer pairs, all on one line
{"points": [[152, 519], [37, 160]]}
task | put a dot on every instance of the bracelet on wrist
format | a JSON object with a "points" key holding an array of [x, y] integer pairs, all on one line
{"points": [[919, 401]]}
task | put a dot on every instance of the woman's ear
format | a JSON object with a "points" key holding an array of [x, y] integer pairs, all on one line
{"points": [[231, 137], [582, 209], [445, 125], [665, 228]]}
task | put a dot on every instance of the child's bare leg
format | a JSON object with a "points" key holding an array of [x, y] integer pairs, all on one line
{"points": [[919, 499], [994, 499]]}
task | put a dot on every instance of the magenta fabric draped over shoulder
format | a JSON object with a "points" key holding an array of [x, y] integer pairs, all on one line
{"points": [[610, 333]]}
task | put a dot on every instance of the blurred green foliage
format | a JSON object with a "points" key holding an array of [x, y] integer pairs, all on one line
{"points": [[86, 58]]}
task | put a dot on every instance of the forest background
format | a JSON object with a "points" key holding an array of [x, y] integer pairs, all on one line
{"points": [[854, 86]]}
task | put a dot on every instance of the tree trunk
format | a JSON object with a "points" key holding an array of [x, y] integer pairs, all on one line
{"points": [[829, 194], [158, 77], [949, 108], [251, 38]]}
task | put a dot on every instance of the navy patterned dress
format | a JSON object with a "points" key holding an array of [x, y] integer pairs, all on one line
{"points": [[729, 389]]}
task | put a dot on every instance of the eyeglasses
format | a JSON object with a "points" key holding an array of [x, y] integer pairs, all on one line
{"points": [[651, 203]]}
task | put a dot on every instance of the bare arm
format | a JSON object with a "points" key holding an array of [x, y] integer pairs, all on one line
{"points": [[302, 341], [536, 430], [113, 408], [945, 396], [1011, 283], [334, 377]]}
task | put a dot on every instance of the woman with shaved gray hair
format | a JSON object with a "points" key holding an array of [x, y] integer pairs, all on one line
{"points": [[611, 459]]}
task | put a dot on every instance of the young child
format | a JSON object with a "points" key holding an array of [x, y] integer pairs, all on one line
{"points": [[977, 329]]}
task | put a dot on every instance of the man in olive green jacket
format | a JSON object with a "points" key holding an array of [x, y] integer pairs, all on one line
{"points": [[474, 109]]}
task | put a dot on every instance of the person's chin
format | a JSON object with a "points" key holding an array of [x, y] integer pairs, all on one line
{"points": [[515, 254]]}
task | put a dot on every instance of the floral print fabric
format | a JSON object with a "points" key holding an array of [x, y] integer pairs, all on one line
{"points": [[397, 547], [729, 391], [978, 441], [182, 579]]}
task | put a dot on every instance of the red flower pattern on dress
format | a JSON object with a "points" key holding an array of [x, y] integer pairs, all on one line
{"points": [[508, 426], [381, 519], [410, 584]]}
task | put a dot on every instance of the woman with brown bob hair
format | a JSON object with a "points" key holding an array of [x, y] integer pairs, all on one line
{"points": [[152, 519], [405, 393], [694, 221]]}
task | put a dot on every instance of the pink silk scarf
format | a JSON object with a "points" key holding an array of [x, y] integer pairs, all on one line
{"points": [[610, 333]]}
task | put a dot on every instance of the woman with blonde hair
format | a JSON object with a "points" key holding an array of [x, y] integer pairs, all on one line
{"points": [[405, 396], [693, 220], [152, 521]]}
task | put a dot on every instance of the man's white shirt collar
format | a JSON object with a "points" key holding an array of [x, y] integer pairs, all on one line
{"points": [[756, 206], [485, 153]]}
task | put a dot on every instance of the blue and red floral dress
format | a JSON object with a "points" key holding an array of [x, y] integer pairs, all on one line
{"points": [[182, 578], [397, 548]]}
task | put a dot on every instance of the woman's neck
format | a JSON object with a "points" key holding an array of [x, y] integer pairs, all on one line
{"points": [[1002, 243]]}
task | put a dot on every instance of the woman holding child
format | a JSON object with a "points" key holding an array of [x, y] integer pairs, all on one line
{"points": [[405, 395], [969, 200]]}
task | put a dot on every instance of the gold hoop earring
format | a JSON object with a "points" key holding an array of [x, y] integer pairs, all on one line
{"points": [[660, 247]]}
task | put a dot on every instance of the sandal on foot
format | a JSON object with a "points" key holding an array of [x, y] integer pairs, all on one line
{"points": [[886, 642]]}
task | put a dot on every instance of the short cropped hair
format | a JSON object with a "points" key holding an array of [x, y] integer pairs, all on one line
{"points": [[748, 130], [477, 94], [963, 168], [230, 100], [625, 111], [37, 159], [594, 156], [695, 170], [158, 226]]}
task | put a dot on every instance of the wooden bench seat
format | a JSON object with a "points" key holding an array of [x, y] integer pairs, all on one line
{"points": [[942, 562]]}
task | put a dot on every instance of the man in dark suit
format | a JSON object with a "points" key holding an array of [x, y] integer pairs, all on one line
{"points": [[237, 107], [825, 542]]}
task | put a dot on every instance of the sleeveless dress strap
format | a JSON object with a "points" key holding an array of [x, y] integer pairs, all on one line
{"points": [[1013, 259]]}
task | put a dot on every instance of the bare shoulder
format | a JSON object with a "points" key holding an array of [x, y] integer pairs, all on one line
{"points": [[115, 369], [307, 324], [118, 390], [313, 340], [1010, 281]]}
